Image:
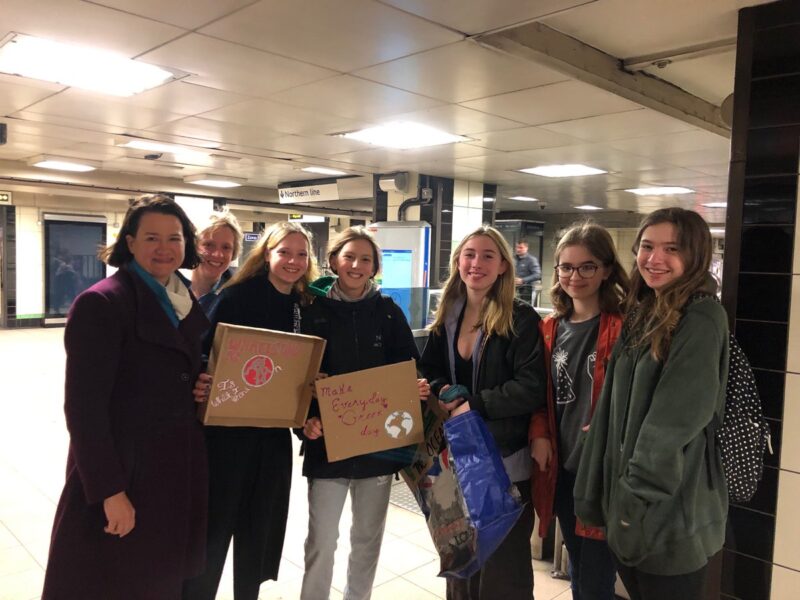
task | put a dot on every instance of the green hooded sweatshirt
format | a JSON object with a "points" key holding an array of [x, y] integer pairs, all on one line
{"points": [[644, 474]]}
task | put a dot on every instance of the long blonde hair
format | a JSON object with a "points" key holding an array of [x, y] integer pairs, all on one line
{"points": [[496, 316], [256, 261], [597, 241], [653, 318]]}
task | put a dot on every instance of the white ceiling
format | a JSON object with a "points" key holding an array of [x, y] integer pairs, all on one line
{"points": [[266, 84]]}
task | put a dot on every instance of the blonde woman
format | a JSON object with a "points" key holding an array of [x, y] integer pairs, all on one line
{"points": [[218, 244], [250, 468], [645, 469], [484, 339]]}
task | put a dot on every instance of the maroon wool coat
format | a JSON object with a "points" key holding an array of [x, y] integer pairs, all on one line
{"points": [[131, 419]]}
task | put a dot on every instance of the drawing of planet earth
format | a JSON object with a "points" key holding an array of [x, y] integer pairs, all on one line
{"points": [[399, 424]]}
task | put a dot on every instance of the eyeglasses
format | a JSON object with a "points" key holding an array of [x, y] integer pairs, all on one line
{"points": [[585, 271]]}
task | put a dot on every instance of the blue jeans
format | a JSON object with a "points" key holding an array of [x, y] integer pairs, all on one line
{"points": [[591, 564]]}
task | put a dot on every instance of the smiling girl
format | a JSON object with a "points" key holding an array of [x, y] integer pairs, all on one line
{"points": [[250, 468], [589, 286], [484, 339], [645, 470], [364, 330]]}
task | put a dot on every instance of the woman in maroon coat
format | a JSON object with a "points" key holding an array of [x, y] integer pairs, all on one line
{"points": [[131, 521]]}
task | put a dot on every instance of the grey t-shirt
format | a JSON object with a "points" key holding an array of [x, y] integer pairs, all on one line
{"points": [[572, 368]]}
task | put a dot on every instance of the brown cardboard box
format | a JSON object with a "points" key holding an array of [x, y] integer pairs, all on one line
{"points": [[262, 378], [433, 418], [370, 410]]}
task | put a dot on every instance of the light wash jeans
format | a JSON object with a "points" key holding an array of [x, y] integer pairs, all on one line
{"points": [[370, 502]]}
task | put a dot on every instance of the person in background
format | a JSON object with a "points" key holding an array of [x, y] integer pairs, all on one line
{"points": [[589, 286], [486, 340], [131, 521], [527, 271], [218, 243], [250, 468], [647, 473], [364, 330]]}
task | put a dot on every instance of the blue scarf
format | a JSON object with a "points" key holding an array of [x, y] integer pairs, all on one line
{"points": [[158, 289]]}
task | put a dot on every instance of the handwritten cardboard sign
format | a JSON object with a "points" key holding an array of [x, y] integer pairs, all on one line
{"points": [[433, 418], [370, 410], [262, 378]]}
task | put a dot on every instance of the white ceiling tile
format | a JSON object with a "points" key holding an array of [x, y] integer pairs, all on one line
{"points": [[523, 138], [16, 93], [460, 72], [344, 35], [699, 158], [708, 77], [89, 127], [552, 103], [284, 117], [183, 13], [18, 127], [86, 24], [185, 98], [664, 145], [208, 130], [234, 68], [457, 120], [354, 98], [617, 126], [96, 108], [387, 158], [477, 16], [318, 145]]}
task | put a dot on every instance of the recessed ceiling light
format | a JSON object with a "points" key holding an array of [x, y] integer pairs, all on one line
{"points": [[63, 163], [404, 135], [78, 66], [717, 230], [218, 181], [588, 207], [323, 171], [563, 170], [716, 205], [489, 199], [660, 191], [524, 198]]}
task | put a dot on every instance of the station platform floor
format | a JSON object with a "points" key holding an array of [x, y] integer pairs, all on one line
{"points": [[33, 446]]}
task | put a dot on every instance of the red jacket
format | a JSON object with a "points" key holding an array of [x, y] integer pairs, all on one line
{"points": [[543, 422]]}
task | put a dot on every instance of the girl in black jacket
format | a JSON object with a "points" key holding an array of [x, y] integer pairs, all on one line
{"points": [[250, 468], [363, 330], [485, 340]]}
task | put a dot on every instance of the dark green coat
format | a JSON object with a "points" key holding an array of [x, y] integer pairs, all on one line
{"points": [[644, 474]]}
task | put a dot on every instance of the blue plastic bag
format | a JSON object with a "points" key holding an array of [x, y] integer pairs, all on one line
{"points": [[467, 498]]}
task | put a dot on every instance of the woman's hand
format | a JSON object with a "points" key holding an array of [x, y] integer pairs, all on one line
{"points": [[202, 387], [120, 514], [317, 377], [542, 452], [460, 409], [448, 406], [313, 428], [424, 389]]}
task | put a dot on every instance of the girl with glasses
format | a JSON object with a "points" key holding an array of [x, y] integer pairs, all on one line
{"points": [[646, 473], [589, 285]]}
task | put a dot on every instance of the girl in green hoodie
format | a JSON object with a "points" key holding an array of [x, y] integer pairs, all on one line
{"points": [[645, 473]]}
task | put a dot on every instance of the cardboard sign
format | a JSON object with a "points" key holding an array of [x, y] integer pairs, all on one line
{"points": [[262, 378], [370, 410]]}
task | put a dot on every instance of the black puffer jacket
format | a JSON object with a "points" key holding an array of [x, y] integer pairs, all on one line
{"points": [[361, 335], [509, 378]]}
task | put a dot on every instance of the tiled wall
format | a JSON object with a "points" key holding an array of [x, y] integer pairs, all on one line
{"points": [[762, 550]]}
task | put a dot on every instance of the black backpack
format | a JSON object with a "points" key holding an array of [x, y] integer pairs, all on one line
{"points": [[743, 434]]}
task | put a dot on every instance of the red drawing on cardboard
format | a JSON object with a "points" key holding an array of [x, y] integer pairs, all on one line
{"points": [[258, 370]]}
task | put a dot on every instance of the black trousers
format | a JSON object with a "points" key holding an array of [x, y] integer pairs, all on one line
{"points": [[250, 474], [646, 586], [508, 574]]}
